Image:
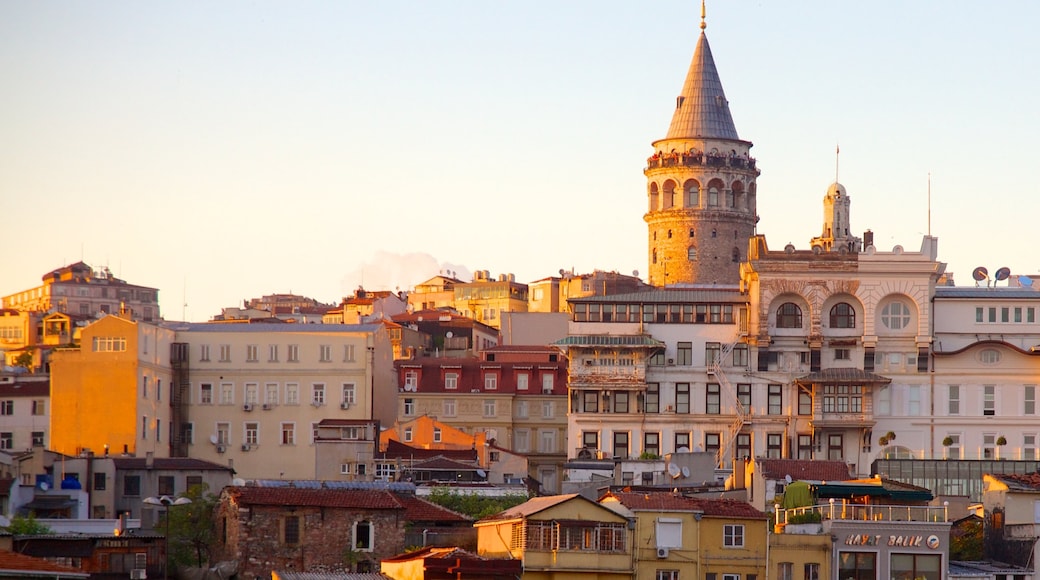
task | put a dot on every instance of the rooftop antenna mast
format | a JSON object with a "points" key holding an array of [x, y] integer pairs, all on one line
{"points": [[929, 204], [703, 13], [837, 156]]}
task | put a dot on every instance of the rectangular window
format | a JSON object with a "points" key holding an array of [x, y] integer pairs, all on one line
{"points": [[785, 570], [166, 483], [272, 353], [6, 407], [223, 433], [292, 530], [318, 394], [992, 314], [252, 433], [1029, 400], [37, 439], [712, 353], [109, 344], [451, 381], [804, 446], [713, 399], [227, 393], [684, 354], [521, 381], [858, 566], [292, 394], [1029, 446], [953, 450], [523, 440], [682, 442], [923, 566], [835, 447], [743, 445], [489, 408], [774, 445], [652, 398], [712, 443], [491, 381], [590, 440], [271, 394], [842, 354], [989, 442], [590, 402], [741, 358], [989, 400], [621, 444], [206, 394], [225, 353], [978, 314], [620, 402], [293, 354], [953, 400], [548, 441], [6, 440], [548, 383], [804, 403], [776, 400], [1018, 314], [449, 407], [1004, 311], [252, 353], [132, 485], [325, 353], [251, 393], [812, 571], [288, 434], [349, 394], [733, 535], [409, 407], [667, 575], [521, 409], [913, 403], [744, 396], [548, 409], [652, 444], [100, 481], [348, 353], [682, 398], [204, 353]]}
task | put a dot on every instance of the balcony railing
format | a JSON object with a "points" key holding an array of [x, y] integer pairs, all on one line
{"points": [[842, 510]]}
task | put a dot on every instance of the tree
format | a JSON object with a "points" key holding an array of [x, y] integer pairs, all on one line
{"points": [[26, 526], [192, 529], [24, 360], [474, 506]]}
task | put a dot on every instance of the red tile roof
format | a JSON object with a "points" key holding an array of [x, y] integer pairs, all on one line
{"points": [[397, 450], [169, 464], [330, 498], [1021, 481], [803, 469], [11, 561], [670, 501]]}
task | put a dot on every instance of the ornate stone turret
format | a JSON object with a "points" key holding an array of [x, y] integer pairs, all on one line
{"points": [[700, 185], [836, 236]]}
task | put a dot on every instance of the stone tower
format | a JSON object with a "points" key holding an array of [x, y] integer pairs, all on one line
{"points": [[836, 236], [700, 185]]}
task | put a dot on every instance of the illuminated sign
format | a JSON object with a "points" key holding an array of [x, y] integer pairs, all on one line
{"points": [[897, 541]]}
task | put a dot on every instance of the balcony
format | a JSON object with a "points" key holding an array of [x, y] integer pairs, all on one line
{"points": [[608, 376], [842, 510]]}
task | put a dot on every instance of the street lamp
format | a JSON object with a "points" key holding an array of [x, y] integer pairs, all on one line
{"points": [[166, 502]]}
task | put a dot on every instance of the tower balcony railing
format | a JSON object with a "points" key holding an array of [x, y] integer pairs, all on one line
{"points": [[687, 159], [843, 510], [607, 374]]}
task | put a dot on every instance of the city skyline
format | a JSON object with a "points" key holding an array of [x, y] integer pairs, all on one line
{"points": [[223, 155]]}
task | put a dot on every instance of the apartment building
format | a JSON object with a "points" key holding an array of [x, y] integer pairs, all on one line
{"points": [[82, 290], [24, 412], [516, 395]]}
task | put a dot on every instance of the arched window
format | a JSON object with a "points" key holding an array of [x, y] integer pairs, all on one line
{"points": [[789, 315], [692, 195], [691, 232], [713, 197], [655, 256], [843, 315], [691, 254]]}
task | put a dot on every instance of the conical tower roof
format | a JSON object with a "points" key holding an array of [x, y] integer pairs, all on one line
{"points": [[702, 109]]}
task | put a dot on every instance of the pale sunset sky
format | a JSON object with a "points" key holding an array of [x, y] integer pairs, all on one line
{"points": [[223, 151]]}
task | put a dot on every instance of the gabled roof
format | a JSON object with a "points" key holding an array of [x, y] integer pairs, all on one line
{"points": [[1019, 481], [11, 562], [536, 505], [329, 498], [420, 510], [441, 463], [803, 469], [670, 501], [702, 110]]}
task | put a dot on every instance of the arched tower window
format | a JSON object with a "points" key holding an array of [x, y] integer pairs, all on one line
{"points": [[653, 197], [729, 199], [693, 193], [655, 256], [789, 315], [668, 199], [843, 315], [691, 254], [691, 232], [713, 196]]}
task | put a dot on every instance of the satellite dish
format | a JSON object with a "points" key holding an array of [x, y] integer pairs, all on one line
{"points": [[980, 274], [673, 470], [1002, 274], [449, 334], [787, 478], [1025, 281], [44, 486], [481, 473], [635, 273], [213, 439], [686, 472], [683, 449], [562, 271]]}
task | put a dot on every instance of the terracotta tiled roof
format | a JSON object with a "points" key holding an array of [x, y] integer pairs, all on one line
{"points": [[420, 510], [26, 389], [803, 469], [397, 450], [534, 505], [331, 498], [11, 561], [669, 501]]}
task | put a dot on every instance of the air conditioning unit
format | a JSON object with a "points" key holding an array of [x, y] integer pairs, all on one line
{"points": [[267, 406], [317, 403], [671, 362], [662, 552], [344, 405], [246, 447], [247, 407], [138, 574], [221, 448]]}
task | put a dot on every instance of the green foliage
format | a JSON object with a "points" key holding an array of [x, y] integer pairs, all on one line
{"points": [[947, 441], [26, 526], [192, 529], [649, 455], [472, 505], [805, 518], [24, 360], [1001, 441], [967, 541]]}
